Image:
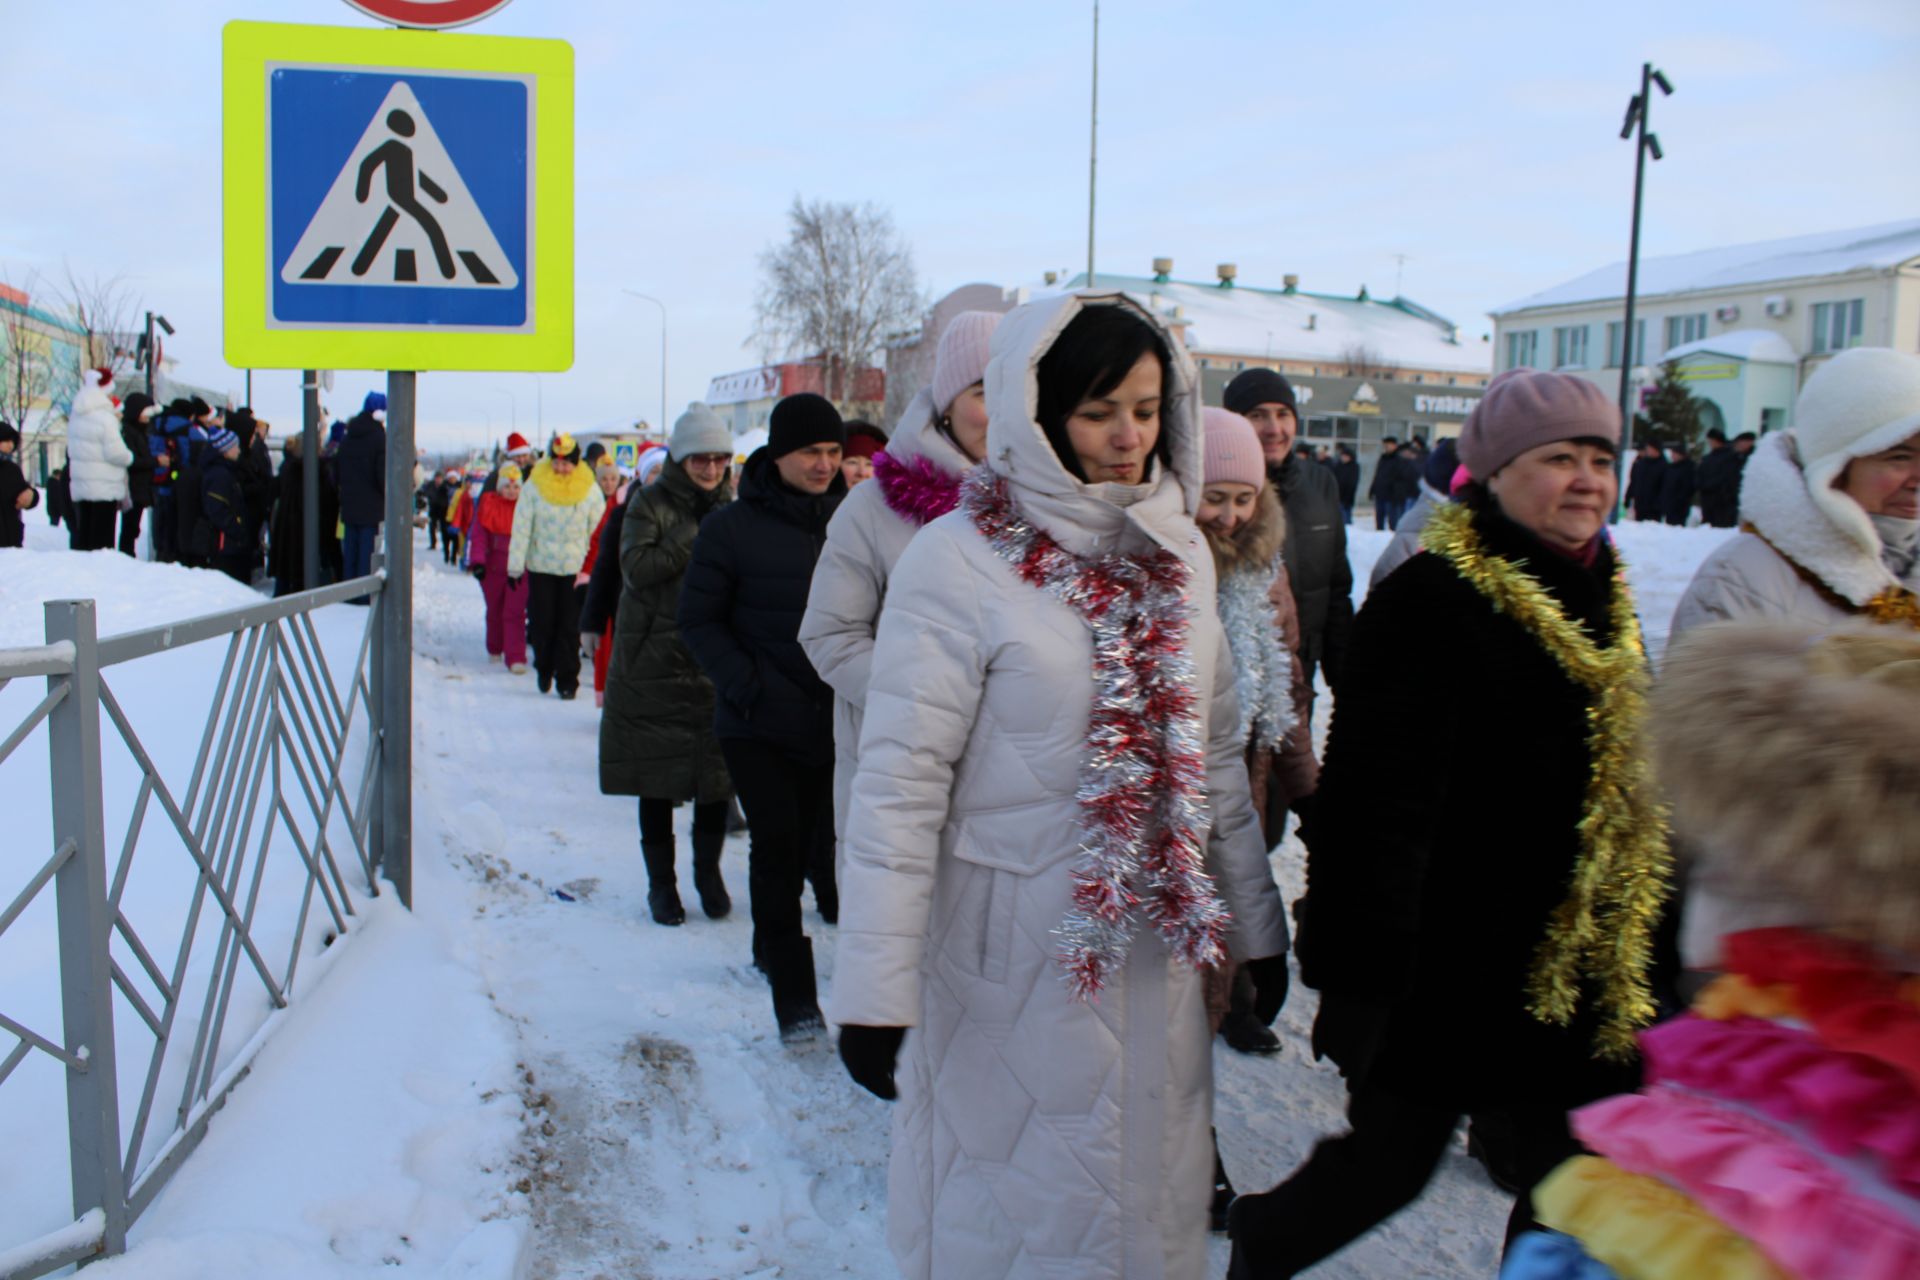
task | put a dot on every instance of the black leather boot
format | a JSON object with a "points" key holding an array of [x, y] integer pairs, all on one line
{"points": [[663, 894], [796, 997], [707, 880]]}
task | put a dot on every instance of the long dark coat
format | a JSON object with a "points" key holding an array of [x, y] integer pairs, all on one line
{"points": [[286, 548], [740, 609], [1436, 856], [656, 731], [1316, 558]]}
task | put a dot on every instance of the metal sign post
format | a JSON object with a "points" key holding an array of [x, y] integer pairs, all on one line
{"points": [[396, 638]]}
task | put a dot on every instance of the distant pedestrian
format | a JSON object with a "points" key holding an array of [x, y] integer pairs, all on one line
{"points": [[137, 413], [16, 494], [1346, 473], [740, 609], [287, 530], [1718, 480], [552, 526], [489, 543], [223, 507], [97, 461], [1677, 486], [360, 468], [864, 440], [1436, 491], [1645, 484]]}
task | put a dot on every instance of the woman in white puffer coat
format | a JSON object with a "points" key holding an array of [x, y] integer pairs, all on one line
{"points": [[915, 480], [1051, 804], [98, 459]]}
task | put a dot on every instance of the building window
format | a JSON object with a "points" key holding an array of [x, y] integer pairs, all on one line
{"points": [[1684, 329], [1772, 420], [1837, 325], [1523, 349], [1570, 347], [1639, 353]]}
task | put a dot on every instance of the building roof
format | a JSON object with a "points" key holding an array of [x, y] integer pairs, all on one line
{"points": [[1829, 253], [1273, 324], [1761, 346]]}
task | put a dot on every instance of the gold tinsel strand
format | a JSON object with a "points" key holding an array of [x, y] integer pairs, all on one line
{"points": [[1895, 604], [1602, 933]]}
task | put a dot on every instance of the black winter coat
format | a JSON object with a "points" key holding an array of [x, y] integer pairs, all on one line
{"points": [[1718, 480], [1346, 474], [1316, 557], [1436, 858], [140, 470], [740, 608], [223, 503], [657, 729], [13, 483], [286, 547], [361, 470], [1676, 491], [1643, 488]]}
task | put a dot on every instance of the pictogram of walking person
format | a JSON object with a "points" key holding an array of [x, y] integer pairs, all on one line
{"points": [[397, 157]]}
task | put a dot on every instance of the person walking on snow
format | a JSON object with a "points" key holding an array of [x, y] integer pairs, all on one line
{"points": [[657, 732], [916, 479], [490, 544], [1051, 835], [360, 468], [16, 494], [1478, 951], [97, 458], [552, 524], [740, 608], [136, 416]]}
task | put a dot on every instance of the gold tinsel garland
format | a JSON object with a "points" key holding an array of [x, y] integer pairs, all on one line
{"points": [[1603, 932], [1895, 605]]}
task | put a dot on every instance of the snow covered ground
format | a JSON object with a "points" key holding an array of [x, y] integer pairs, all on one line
{"points": [[525, 1077]]}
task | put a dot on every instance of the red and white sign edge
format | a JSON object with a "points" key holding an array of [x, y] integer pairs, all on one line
{"points": [[429, 14]]}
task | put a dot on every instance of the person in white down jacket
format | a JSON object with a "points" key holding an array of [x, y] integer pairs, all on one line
{"points": [[916, 479], [99, 459], [1050, 833]]}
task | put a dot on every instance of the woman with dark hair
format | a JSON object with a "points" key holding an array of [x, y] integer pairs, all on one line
{"points": [[1482, 932], [136, 412], [1050, 834]]}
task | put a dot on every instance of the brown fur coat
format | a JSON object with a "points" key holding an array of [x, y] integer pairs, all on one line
{"points": [[1792, 757]]}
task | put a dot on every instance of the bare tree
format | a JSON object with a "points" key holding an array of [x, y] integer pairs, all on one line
{"points": [[1362, 361], [104, 309], [841, 283], [27, 375]]}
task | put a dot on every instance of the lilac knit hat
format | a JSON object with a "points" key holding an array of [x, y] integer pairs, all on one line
{"points": [[1526, 408], [961, 358], [1232, 449]]}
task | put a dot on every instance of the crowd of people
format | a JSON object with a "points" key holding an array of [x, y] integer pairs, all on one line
{"points": [[1024, 691]]}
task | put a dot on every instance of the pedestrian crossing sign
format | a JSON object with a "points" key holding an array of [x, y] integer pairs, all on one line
{"points": [[397, 199]]}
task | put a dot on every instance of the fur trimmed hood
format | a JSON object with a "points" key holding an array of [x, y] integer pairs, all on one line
{"points": [[1827, 534], [1798, 749], [1258, 541]]}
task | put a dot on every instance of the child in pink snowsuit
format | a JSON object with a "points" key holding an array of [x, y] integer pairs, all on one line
{"points": [[490, 536]]}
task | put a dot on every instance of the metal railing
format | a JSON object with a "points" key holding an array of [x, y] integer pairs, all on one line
{"points": [[290, 774]]}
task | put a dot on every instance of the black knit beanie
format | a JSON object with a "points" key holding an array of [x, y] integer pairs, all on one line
{"points": [[1254, 387], [802, 420]]}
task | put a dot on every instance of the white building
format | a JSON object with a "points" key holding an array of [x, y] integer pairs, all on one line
{"points": [[1747, 324]]}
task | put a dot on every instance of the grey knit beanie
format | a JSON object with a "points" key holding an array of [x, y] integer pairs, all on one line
{"points": [[699, 430]]}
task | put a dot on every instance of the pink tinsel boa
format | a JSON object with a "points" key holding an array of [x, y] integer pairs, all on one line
{"points": [[915, 490]]}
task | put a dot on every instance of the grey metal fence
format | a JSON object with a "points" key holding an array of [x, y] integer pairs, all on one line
{"points": [[280, 826]]}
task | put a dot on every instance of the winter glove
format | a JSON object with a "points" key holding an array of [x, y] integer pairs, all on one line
{"points": [[1349, 1030], [513, 583], [479, 572], [589, 642], [1269, 974], [869, 1054]]}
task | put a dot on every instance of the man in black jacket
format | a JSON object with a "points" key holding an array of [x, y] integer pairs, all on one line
{"points": [[16, 494], [1346, 474], [1718, 480], [740, 608], [1643, 486], [1316, 546], [1677, 486], [360, 468]]}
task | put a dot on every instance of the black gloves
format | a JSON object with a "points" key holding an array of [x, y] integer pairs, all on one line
{"points": [[479, 571], [869, 1054], [1269, 974]]}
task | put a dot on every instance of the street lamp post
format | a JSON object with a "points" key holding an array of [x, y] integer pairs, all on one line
{"points": [[1093, 140], [148, 349], [644, 297], [1646, 141]]}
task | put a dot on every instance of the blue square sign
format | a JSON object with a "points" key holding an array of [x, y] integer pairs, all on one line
{"points": [[398, 199]]}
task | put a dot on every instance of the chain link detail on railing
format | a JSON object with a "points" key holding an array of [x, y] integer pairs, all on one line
{"points": [[278, 757]]}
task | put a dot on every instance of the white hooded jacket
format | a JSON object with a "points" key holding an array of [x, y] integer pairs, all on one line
{"points": [[96, 452], [1036, 1135], [864, 542]]}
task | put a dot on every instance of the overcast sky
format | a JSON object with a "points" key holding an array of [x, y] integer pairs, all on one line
{"points": [[1480, 141]]}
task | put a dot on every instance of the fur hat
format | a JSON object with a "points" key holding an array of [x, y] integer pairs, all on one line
{"points": [[961, 358], [1526, 408], [699, 430], [1799, 749], [1232, 450], [1862, 402]]}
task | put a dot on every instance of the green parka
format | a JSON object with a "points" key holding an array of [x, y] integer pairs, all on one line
{"points": [[656, 732]]}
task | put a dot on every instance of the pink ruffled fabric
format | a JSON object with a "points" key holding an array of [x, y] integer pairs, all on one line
{"points": [[1802, 1212], [1852, 1104]]}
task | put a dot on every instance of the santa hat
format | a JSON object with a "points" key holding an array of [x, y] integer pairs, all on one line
{"points": [[91, 378], [517, 443]]}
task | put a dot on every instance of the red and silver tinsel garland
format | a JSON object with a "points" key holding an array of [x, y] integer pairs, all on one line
{"points": [[1142, 792]]}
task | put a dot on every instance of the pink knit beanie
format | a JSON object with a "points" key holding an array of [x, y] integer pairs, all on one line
{"points": [[1526, 408], [1232, 449], [961, 358]]}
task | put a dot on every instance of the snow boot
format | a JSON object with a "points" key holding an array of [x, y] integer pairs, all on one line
{"points": [[545, 682], [518, 668], [1241, 1030], [714, 899], [796, 996], [663, 895], [1222, 1191]]}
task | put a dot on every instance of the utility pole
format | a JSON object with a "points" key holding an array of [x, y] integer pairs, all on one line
{"points": [[309, 478], [1093, 142], [663, 424], [1638, 111]]}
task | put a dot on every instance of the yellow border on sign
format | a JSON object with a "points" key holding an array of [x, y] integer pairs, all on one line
{"points": [[246, 49]]}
